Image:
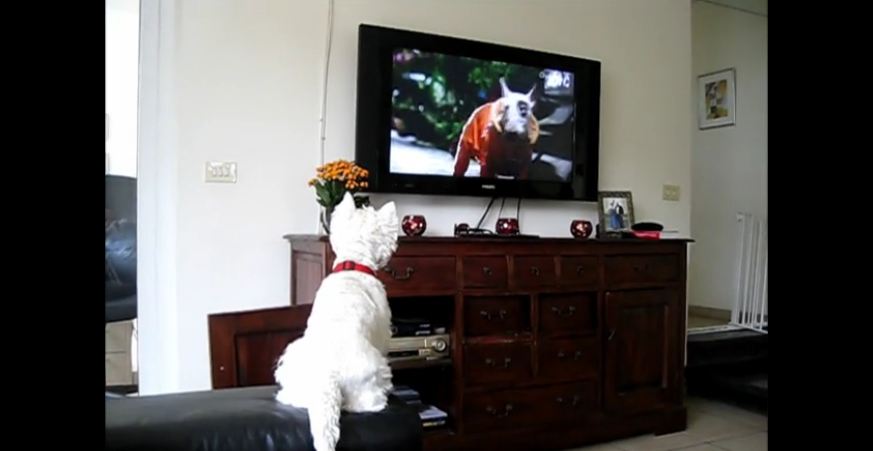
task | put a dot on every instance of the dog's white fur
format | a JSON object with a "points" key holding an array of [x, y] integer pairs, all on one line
{"points": [[340, 363]]}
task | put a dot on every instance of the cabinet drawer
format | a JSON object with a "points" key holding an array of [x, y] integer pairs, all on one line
{"points": [[523, 407], [497, 363], [484, 272], [579, 270], [568, 359], [501, 410], [418, 274], [569, 402], [565, 314], [495, 315], [534, 271], [630, 269]]}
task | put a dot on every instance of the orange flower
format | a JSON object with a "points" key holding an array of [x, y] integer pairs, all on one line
{"points": [[350, 175]]}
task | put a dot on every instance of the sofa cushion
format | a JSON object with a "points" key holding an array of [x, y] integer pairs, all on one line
{"points": [[246, 419]]}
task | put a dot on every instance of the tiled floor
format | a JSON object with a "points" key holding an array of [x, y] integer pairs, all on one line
{"points": [[703, 321], [712, 426], [119, 360]]}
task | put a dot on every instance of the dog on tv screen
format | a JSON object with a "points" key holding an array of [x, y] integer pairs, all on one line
{"points": [[457, 116]]}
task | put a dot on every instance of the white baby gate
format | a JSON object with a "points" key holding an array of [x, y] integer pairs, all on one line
{"points": [[750, 305]]}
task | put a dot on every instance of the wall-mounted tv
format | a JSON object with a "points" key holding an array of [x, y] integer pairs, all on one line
{"points": [[443, 115]]}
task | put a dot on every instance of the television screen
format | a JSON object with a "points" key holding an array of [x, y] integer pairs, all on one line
{"points": [[450, 116], [458, 116]]}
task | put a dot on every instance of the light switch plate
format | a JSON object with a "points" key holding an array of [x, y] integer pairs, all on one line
{"points": [[671, 192], [221, 172]]}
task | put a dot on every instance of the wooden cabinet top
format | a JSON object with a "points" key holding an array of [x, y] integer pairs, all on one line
{"points": [[291, 237]]}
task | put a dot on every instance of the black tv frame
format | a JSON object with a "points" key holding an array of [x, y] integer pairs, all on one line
{"points": [[376, 45]]}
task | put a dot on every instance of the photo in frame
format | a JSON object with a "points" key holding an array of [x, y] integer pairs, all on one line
{"points": [[717, 99], [616, 211]]}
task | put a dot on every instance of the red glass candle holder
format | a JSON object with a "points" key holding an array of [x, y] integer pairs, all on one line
{"points": [[581, 228], [414, 225], [507, 226]]}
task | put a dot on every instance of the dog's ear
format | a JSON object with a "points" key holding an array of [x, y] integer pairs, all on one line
{"points": [[533, 129], [346, 207], [504, 90], [530, 95], [498, 113], [388, 217]]}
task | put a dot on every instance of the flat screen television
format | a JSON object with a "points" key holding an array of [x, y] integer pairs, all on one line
{"points": [[443, 115]]}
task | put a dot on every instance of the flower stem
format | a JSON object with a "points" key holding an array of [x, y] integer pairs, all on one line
{"points": [[325, 219]]}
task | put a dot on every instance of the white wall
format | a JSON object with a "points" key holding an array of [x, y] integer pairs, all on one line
{"points": [[247, 74], [729, 164], [122, 48]]}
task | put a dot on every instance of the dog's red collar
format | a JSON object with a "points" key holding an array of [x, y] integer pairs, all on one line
{"points": [[352, 266]]}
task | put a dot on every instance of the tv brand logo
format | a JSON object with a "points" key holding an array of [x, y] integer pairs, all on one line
{"points": [[489, 187]]}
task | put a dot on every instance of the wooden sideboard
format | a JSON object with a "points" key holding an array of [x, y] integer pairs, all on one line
{"points": [[555, 342]]}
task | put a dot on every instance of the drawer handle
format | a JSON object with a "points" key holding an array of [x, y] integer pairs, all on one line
{"points": [[507, 409], [580, 270], [535, 271], [639, 268], [487, 271], [576, 356], [574, 402], [491, 317], [564, 313], [491, 362], [395, 276]]}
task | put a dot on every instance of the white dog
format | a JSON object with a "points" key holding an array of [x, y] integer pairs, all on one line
{"points": [[340, 363]]}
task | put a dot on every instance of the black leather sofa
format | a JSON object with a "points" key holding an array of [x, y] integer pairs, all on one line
{"points": [[120, 248], [246, 419]]}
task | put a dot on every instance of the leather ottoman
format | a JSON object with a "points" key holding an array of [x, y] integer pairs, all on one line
{"points": [[247, 419]]}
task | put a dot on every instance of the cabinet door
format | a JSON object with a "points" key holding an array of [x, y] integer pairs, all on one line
{"points": [[245, 346], [642, 358]]}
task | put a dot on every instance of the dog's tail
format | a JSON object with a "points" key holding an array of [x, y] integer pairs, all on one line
{"points": [[324, 413]]}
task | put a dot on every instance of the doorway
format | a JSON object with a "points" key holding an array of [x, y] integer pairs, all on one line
{"points": [[120, 158]]}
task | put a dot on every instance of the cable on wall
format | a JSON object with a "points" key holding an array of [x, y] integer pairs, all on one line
{"points": [[487, 209], [323, 112], [323, 107]]}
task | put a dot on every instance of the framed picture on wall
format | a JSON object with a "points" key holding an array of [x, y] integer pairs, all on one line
{"points": [[717, 99], [616, 211]]}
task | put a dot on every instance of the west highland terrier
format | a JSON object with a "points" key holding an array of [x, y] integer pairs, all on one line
{"points": [[340, 362]]}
